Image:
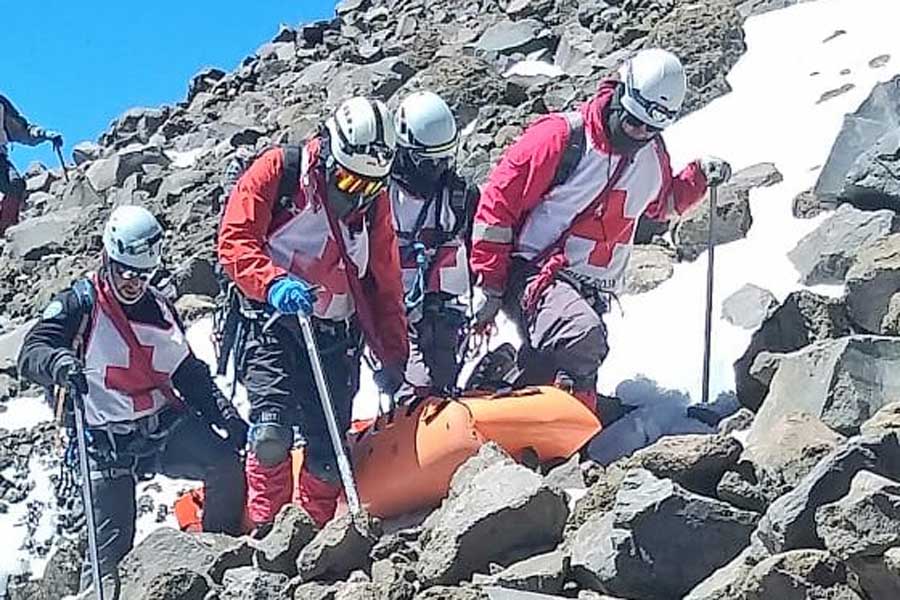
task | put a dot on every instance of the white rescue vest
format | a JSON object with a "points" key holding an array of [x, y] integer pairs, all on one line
{"points": [[305, 246], [449, 270], [117, 392], [599, 247]]}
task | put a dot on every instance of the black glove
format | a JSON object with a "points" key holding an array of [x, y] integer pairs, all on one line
{"points": [[237, 432], [389, 379], [68, 372]]}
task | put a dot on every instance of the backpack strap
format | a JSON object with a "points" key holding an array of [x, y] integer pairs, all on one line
{"points": [[290, 175], [87, 295], [574, 148]]}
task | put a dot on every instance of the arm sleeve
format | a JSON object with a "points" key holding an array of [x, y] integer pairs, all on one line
{"points": [[515, 186], [50, 338], [386, 286], [681, 193], [17, 127], [195, 384], [245, 224]]}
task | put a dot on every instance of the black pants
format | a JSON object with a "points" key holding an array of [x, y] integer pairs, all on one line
{"points": [[278, 377], [190, 451], [433, 346]]}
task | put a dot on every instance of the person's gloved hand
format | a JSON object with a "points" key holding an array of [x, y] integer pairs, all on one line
{"points": [[389, 379], [487, 312], [48, 135], [716, 170], [237, 430], [292, 296], [69, 372]]}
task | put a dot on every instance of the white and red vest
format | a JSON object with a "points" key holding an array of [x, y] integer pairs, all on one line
{"points": [[119, 390], [303, 245], [599, 247], [448, 262]]}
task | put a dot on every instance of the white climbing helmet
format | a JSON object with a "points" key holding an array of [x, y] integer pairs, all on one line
{"points": [[133, 237], [362, 137], [425, 123], [655, 86]]}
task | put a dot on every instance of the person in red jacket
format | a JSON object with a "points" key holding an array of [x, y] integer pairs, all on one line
{"points": [[330, 253], [551, 254]]}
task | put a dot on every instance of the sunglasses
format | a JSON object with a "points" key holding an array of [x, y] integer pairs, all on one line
{"points": [[126, 273], [351, 183], [637, 123]]}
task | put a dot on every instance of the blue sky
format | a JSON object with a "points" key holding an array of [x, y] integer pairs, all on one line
{"points": [[76, 66]]}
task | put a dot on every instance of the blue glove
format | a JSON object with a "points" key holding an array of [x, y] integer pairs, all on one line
{"points": [[292, 296]]}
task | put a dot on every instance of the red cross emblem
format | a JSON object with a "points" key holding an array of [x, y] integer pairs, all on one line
{"points": [[326, 271], [134, 381], [610, 230]]}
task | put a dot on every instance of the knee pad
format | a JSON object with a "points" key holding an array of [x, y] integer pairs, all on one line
{"points": [[271, 442]]}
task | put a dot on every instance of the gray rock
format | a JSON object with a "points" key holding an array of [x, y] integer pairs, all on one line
{"points": [[178, 584], [659, 541], [598, 500], [696, 462], [727, 582], [749, 306], [440, 592], [877, 115], [885, 420], [78, 193], [798, 575], [341, 547], [826, 254], [86, 151], [10, 343], [872, 181], [776, 458], [732, 222], [865, 522], [32, 239], [566, 476], [500, 513], [175, 185], [648, 267], [739, 421], [192, 307], [544, 574], [789, 523], [507, 37], [763, 174], [879, 576], [872, 281], [292, 530], [62, 575], [844, 382], [196, 276], [106, 173], [803, 318], [806, 205], [575, 51], [890, 322], [312, 591], [38, 183], [249, 583]]}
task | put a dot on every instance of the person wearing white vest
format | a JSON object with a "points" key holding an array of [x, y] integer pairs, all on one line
{"points": [[149, 403], [551, 252], [430, 202], [16, 128]]}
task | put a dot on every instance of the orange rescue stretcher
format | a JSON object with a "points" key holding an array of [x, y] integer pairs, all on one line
{"points": [[404, 462]]}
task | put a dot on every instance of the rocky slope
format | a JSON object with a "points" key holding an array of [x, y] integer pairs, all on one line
{"points": [[801, 503]]}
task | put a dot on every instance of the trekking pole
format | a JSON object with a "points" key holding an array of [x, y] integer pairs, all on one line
{"points": [[328, 408], [62, 163], [710, 257], [87, 495]]}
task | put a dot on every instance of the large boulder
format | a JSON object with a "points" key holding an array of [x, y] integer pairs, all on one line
{"points": [[885, 420], [877, 115], [803, 318], [500, 512], [732, 222], [106, 173], [659, 541], [789, 522], [826, 254], [798, 575], [777, 456], [291, 531], [544, 574], [249, 583], [32, 239], [872, 281], [844, 382], [340, 548], [696, 462], [872, 181]]}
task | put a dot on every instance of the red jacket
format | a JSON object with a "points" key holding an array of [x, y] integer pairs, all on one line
{"points": [[519, 215], [258, 245]]}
